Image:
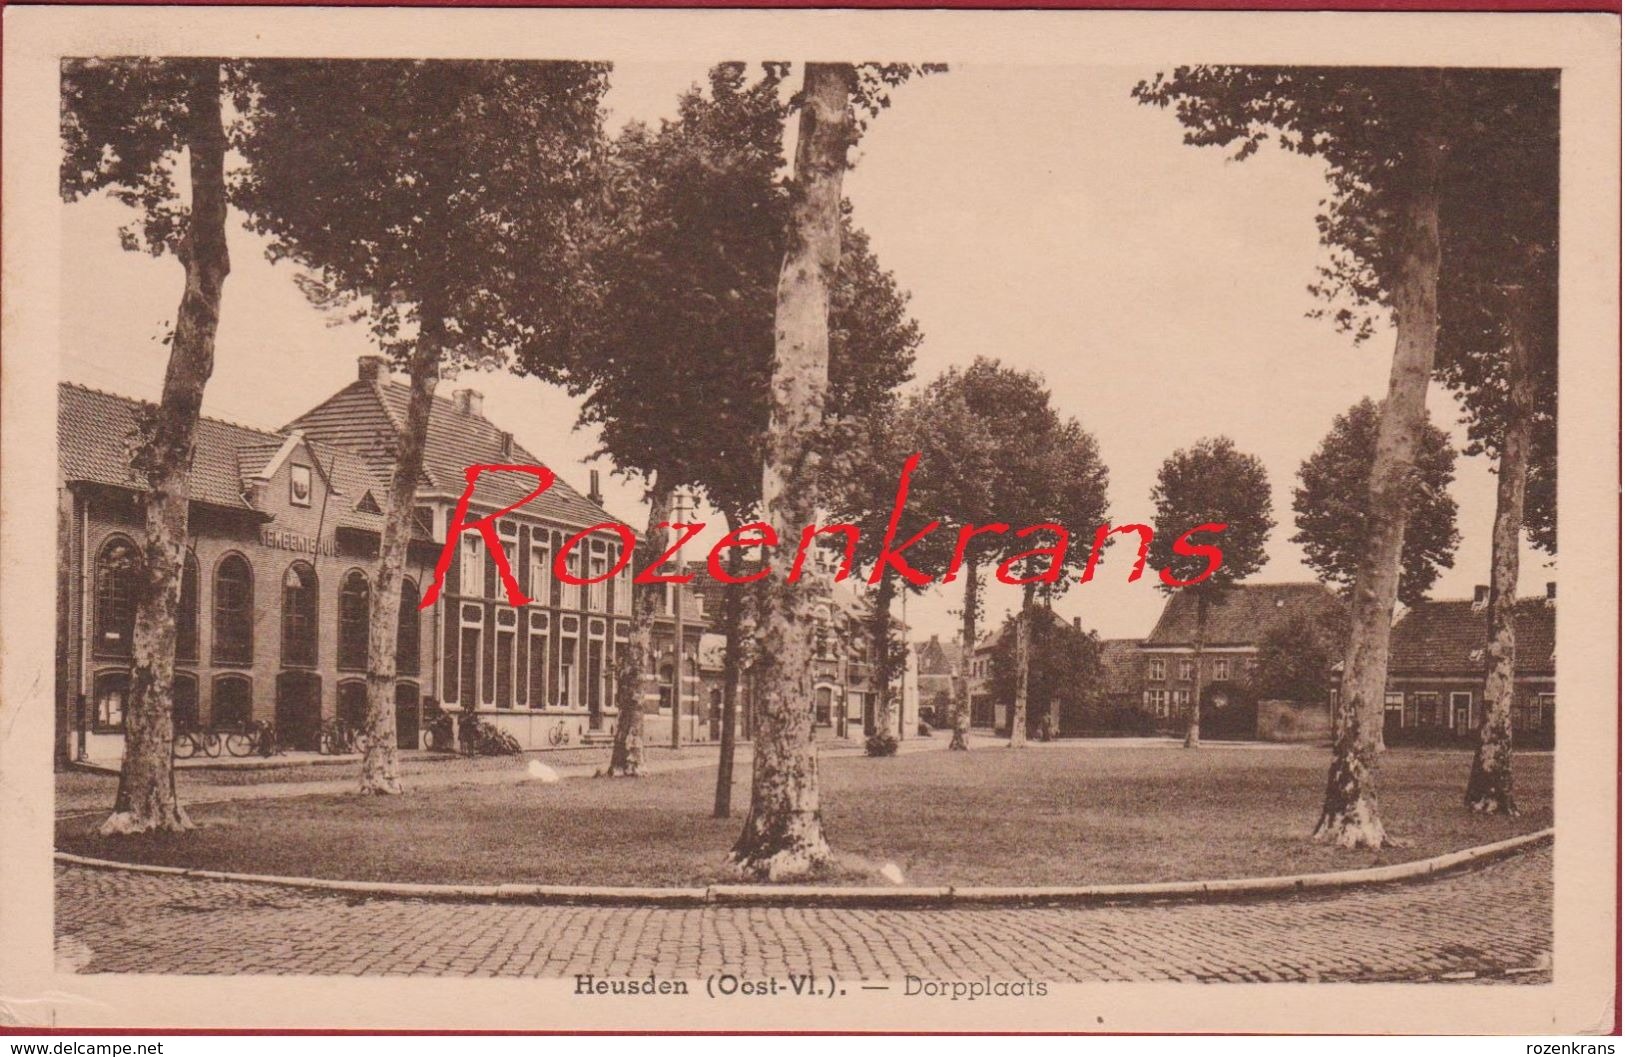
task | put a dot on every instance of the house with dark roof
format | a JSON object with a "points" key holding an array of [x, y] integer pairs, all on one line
{"points": [[276, 587], [1436, 668], [1238, 620], [938, 664]]}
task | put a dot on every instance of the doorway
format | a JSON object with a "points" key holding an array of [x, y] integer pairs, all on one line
{"points": [[299, 711]]}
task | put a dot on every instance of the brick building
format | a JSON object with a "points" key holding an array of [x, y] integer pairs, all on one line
{"points": [[1436, 664], [1238, 620]]}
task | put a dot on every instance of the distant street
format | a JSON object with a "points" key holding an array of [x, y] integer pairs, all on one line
{"points": [[1493, 925]]}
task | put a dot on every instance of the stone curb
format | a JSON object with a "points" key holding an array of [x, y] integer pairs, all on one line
{"points": [[862, 896]]}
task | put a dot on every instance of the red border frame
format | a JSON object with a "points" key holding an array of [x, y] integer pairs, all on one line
{"points": [[1391, 6]]}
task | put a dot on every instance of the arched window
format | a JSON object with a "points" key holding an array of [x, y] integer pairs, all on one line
{"points": [[410, 629], [233, 611], [117, 570], [186, 615], [186, 717], [299, 616], [355, 598], [233, 702]]}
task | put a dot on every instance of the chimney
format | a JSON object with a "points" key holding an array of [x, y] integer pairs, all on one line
{"points": [[507, 444], [468, 401], [369, 369], [1481, 596], [1077, 623], [593, 494], [1551, 592]]}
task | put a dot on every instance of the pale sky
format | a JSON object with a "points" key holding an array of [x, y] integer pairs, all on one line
{"points": [[1036, 214]]}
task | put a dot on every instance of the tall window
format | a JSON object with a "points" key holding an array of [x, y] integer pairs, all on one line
{"points": [[507, 637], [537, 669], [186, 615], [1393, 708], [117, 570], [410, 631], [1187, 668], [355, 599], [597, 671], [471, 568], [112, 690], [1221, 669], [569, 629], [233, 611], [541, 573], [508, 536], [1156, 668], [233, 702], [570, 594], [597, 566], [623, 591], [299, 616]]}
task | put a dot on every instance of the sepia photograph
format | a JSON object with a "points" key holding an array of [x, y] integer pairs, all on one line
{"points": [[718, 531]]}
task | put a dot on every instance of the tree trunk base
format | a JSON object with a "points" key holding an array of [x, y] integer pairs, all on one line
{"points": [[1193, 740], [785, 853], [626, 758], [958, 743], [126, 823], [383, 785], [1489, 785], [1350, 817]]}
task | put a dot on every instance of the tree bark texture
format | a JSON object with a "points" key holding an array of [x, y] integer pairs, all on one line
{"points": [[146, 799], [1193, 721], [1024, 663], [1489, 784], [380, 774], [880, 633], [635, 667], [1350, 817], [967, 639], [783, 835], [733, 604]]}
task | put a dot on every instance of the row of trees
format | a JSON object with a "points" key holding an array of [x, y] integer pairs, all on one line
{"points": [[476, 213], [1443, 214]]}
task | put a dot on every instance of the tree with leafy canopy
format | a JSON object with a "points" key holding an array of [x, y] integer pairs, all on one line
{"points": [[1296, 657], [783, 835], [1387, 138], [947, 456], [1498, 353], [442, 202], [1209, 483], [1065, 671], [127, 124], [674, 372], [1330, 503]]}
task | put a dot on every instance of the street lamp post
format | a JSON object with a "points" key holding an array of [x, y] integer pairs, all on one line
{"points": [[680, 514]]}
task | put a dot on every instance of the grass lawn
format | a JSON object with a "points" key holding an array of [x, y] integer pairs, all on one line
{"points": [[993, 816]]}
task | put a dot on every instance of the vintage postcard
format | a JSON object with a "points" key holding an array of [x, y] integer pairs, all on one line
{"points": [[809, 520]]}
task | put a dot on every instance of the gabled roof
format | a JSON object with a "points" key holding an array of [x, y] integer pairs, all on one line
{"points": [[1120, 658], [1241, 615], [937, 657], [94, 430], [1449, 636], [367, 417]]}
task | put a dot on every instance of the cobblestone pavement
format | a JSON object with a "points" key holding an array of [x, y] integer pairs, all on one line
{"points": [[1491, 924]]}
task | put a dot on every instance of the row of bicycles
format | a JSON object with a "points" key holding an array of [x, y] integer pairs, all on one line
{"points": [[257, 738]]}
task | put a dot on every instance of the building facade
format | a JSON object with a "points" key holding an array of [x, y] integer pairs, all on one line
{"points": [[1436, 663], [1238, 620]]}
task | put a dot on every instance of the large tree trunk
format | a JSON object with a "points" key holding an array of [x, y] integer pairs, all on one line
{"points": [[783, 835], [1193, 721], [379, 763], [1489, 785], [733, 602], [1350, 817], [635, 674], [1024, 664], [881, 645], [146, 798], [967, 640]]}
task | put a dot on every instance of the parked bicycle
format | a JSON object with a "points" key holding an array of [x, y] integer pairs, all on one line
{"points": [[257, 738], [340, 737], [557, 736], [189, 743], [438, 734]]}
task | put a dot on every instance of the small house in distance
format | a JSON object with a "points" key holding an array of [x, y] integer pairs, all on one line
{"points": [[1238, 621], [1436, 668]]}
